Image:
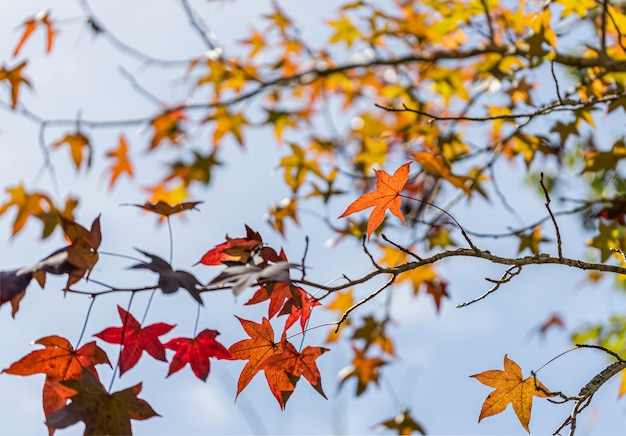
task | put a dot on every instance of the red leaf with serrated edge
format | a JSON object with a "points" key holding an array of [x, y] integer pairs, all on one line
{"points": [[234, 249], [196, 352], [59, 360], [135, 339], [298, 363], [302, 312], [276, 292], [386, 196], [255, 350]]}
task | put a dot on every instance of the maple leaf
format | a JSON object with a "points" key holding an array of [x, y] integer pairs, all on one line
{"points": [[54, 397], [236, 250], [58, 360], [27, 204], [286, 208], [553, 320], [342, 302], [167, 126], [386, 196], [82, 254], [437, 166], [365, 369], [344, 31], [102, 413], [299, 309], [298, 363], [373, 332], [77, 142], [135, 339], [437, 289], [255, 350], [277, 293], [403, 423], [170, 280], [15, 79], [13, 288], [31, 24], [244, 276], [510, 387], [531, 241], [164, 209], [196, 352], [227, 122], [121, 163]]}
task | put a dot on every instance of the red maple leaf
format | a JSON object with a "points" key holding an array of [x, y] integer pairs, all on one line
{"points": [[196, 352], [386, 196], [135, 339], [302, 312], [239, 250]]}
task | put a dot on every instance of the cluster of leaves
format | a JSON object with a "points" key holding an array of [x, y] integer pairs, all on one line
{"points": [[442, 75]]}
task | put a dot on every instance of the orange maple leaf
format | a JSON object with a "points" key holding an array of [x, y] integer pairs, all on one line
{"points": [[386, 196], [255, 350], [15, 79], [121, 163], [31, 24], [510, 388], [438, 166], [77, 142]]}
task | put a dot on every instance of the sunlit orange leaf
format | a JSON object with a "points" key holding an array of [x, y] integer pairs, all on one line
{"points": [[365, 369], [121, 164], [77, 142], [59, 360], [227, 122], [510, 387], [297, 167], [255, 350], [27, 204], [386, 196], [102, 413], [437, 166], [298, 363], [167, 126], [256, 41], [622, 385], [15, 79], [43, 18], [286, 208], [342, 302]]}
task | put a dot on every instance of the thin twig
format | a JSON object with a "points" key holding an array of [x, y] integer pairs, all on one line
{"points": [[401, 248], [556, 227], [510, 272]]}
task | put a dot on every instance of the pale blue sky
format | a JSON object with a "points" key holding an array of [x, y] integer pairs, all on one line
{"points": [[437, 353]]}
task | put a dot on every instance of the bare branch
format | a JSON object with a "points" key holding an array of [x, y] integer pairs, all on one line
{"points": [[556, 227]]}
